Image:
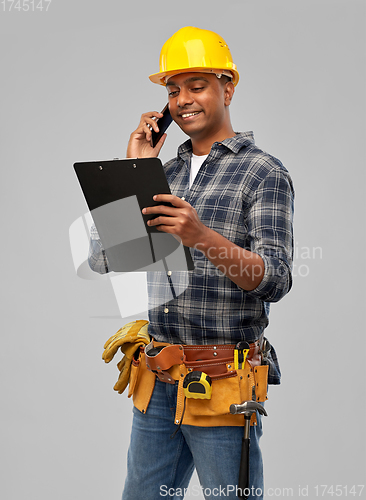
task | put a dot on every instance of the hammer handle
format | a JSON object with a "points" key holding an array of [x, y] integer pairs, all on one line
{"points": [[243, 484]]}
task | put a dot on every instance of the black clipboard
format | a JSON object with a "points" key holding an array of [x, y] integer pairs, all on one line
{"points": [[116, 191]]}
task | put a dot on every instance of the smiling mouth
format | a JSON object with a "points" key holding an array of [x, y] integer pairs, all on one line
{"points": [[189, 115]]}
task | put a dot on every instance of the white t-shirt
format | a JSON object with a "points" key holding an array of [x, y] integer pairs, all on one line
{"points": [[196, 162]]}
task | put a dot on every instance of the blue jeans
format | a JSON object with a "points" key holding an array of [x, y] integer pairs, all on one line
{"points": [[159, 467]]}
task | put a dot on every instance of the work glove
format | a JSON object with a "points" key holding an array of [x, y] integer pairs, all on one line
{"points": [[129, 338]]}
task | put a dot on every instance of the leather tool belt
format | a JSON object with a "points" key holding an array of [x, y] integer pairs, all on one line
{"points": [[170, 363], [215, 360]]}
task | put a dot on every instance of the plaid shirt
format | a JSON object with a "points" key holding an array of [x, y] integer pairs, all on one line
{"points": [[247, 196]]}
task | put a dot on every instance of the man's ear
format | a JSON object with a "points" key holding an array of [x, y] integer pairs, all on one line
{"points": [[229, 90]]}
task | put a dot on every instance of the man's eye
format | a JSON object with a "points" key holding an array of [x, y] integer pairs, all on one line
{"points": [[197, 89], [173, 93]]}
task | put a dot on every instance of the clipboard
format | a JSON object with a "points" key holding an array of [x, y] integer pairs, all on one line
{"points": [[116, 191]]}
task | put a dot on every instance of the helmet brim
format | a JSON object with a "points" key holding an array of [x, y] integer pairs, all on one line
{"points": [[160, 78]]}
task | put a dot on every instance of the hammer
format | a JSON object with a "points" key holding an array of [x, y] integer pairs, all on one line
{"points": [[247, 409]]}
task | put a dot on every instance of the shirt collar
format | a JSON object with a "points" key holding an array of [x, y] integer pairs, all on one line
{"points": [[240, 140], [235, 144]]}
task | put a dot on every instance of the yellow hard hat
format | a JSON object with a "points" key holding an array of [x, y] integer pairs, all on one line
{"points": [[195, 50]]}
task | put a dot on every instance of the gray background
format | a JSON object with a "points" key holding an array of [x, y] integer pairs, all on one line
{"points": [[73, 86]]}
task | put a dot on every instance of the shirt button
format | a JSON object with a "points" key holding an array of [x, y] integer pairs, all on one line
{"points": [[166, 310], [169, 273], [183, 198]]}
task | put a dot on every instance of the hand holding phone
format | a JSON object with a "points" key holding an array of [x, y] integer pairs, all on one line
{"points": [[163, 124], [141, 139]]}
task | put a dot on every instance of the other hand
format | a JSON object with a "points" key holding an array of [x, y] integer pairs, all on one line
{"points": [[180, 220]]}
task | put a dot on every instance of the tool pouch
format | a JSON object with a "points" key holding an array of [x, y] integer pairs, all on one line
{"points": [[247, 384], [261, 382], [135, 368], [142, 382], [161, 362]]}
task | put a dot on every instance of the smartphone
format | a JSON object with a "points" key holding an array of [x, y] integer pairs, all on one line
{"points": [[163, 124]]}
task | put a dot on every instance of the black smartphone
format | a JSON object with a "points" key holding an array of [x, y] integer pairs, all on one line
{"points": [[163, 124]]}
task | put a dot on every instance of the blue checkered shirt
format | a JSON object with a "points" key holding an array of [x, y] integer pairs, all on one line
{"points": [[247, 196]]}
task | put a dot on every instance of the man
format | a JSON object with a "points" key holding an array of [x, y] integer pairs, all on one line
{"points": [[232, 205]]}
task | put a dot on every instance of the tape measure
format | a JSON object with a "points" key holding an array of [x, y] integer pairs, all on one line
{"points": [[197, 385]]}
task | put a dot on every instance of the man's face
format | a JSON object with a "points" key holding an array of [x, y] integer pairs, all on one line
{"points": [[198, 103]]}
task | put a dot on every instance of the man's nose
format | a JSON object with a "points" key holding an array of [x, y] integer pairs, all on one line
{"points": [[184, 98]]}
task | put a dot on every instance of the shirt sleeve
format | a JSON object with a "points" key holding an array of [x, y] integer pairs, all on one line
{"points": [[270, 232], [97, 258]]}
